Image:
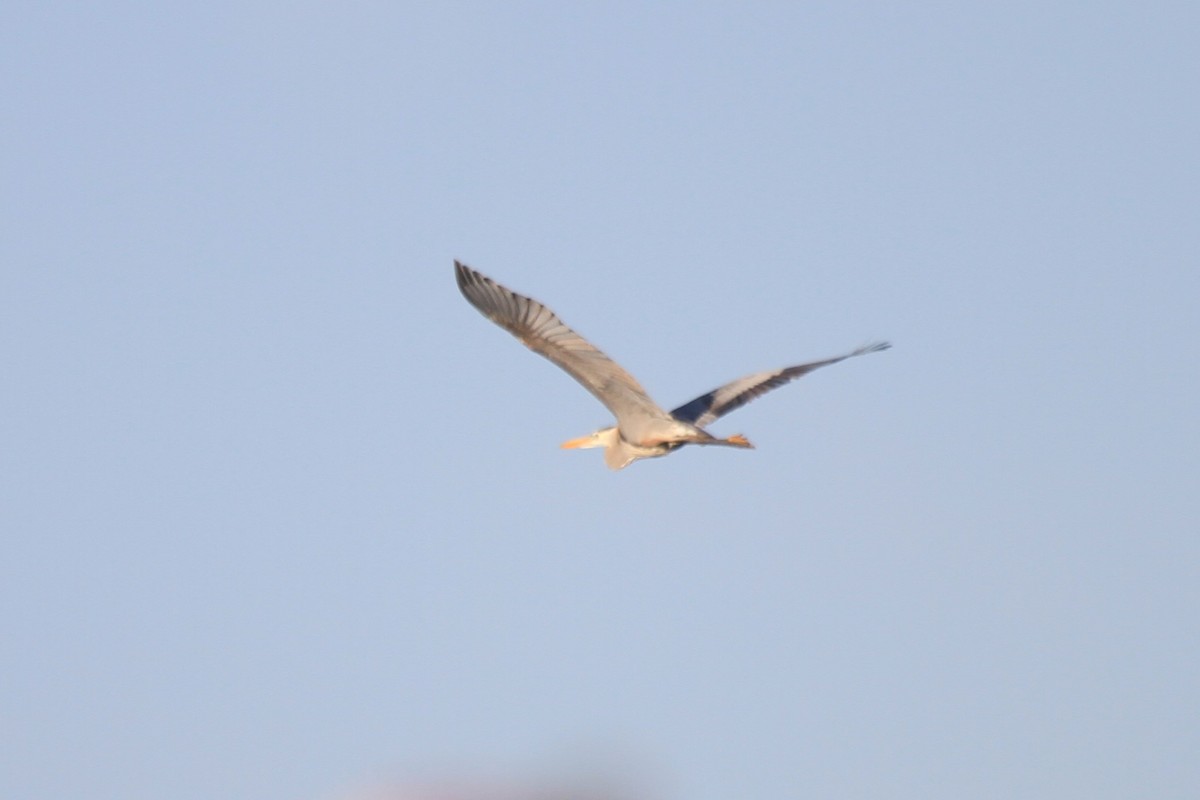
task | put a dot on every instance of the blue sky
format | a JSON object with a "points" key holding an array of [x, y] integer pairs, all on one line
{"points": [[283, 515]]}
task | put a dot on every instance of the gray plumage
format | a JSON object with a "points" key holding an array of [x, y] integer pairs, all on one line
{"points": [[643, 429]]}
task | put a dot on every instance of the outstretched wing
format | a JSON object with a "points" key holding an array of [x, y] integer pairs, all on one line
{"points": [[709, 407], [543, 332]]}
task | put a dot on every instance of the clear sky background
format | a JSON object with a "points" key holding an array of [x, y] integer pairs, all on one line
{"points": [[282, 514]]}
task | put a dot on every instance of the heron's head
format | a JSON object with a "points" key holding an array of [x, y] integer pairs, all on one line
{"points": [[601, 438]]}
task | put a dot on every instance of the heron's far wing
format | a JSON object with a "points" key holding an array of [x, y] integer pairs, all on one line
{"points": [[542, 331], [709, 407]]}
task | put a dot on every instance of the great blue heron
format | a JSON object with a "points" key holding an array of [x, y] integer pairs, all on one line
{"points": [[643, 429]]}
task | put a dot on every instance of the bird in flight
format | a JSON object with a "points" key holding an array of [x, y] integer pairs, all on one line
{"points": [[643, 429]]}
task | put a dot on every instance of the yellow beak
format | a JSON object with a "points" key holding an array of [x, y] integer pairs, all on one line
{"points": [[582, 441]]}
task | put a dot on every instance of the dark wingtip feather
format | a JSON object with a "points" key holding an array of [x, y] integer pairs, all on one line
{"points": [[475, 286], [462, 274], [874, 347]]}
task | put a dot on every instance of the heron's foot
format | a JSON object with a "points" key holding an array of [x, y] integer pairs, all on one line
{"points": [[737, 440]]}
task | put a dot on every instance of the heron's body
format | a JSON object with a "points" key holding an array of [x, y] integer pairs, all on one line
{"points": [[621, 451], [643, 429]]}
